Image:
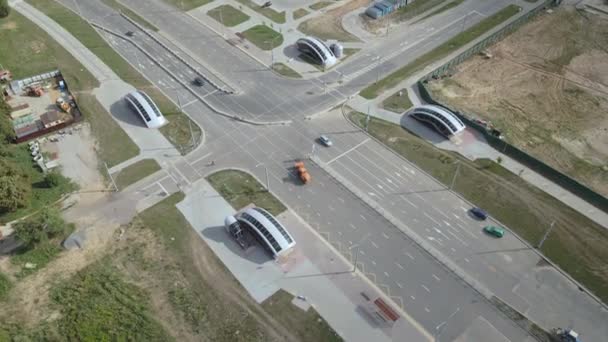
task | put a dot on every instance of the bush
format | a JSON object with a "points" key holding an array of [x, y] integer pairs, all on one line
{"points": [[5, 286], [4, 9], [41, 227], [53, 179]]}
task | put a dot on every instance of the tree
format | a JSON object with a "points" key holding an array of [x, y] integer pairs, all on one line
{"points": [[52, 179], [41, 227], [4, 9], [7, 134], [14, 193]]}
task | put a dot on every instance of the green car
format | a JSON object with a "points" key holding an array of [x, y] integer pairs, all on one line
{"points": [[493, 230]]}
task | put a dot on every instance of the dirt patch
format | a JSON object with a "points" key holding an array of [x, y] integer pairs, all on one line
{"points": [[546, 89], [9, 25], [329, 25]]}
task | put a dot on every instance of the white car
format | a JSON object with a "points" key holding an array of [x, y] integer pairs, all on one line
{"points": [[325, 141]]}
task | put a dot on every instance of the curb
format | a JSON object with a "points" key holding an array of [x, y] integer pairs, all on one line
{"points": [[187, 87]]}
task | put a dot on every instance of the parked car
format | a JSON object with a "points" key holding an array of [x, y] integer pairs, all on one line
{"points": [[479, 213], [495, 231], [325, 141], [199, 81]]}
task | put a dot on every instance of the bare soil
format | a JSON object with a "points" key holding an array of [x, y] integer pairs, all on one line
{"points": [[546, 88], [329, 24]]}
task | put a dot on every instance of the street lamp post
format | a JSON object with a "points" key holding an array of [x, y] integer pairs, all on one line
{"points": [[357, 254], [455, 174], [540, 244], [439, 328]]}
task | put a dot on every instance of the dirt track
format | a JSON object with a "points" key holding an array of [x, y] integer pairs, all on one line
{"points": [[546, 89]]}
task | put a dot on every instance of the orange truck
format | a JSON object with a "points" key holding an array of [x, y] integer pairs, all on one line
{"points": [[302, 172]]}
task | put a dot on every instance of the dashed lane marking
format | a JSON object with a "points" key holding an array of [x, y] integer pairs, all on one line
{"points": [[436, 277], [425, 288]]}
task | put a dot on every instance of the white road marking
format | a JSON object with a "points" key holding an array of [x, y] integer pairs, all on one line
{"points": [[374, 244], [340, 199], [363, 217], [399, 265], [408, 201], [385, 236], [388, 180], [436, 277], [386, 274], [347, 151], [373, 263], [453, 250], [361, 252], [467, 260], [331, 208], [400, 286], [430, 218], [352, 226], [427, 309], [413, 298], [409, 255], [340, 233], [425, 288]]}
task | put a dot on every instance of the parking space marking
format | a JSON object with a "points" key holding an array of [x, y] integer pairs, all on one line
{"points": [[436, 277], [374, 244], [425, 288], [352, 226], [399, 265]]}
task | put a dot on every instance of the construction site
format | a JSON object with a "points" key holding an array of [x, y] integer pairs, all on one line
{"points": [[545, 88], [39, 104]]}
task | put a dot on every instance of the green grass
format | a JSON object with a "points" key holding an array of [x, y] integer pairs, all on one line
{"points": [[241, 189], [442, 9], [299, 13], [576, 244], [40, 256], [285, 70], [135, 172], [82, 31], [97, 304], [129, 13], [309, 325], [263, 37], [440, 52], [177, 131], [318, 5], [114, 145], [396, 103], [41, 195], [277, 17], [415, 8], [27, 50], [228, 15], [187, 5], [5, 286]]}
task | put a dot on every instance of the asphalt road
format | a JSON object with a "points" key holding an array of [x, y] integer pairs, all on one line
{"points": [[414, 278]]}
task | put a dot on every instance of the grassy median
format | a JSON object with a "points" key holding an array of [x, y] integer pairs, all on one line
{"points": [[396, 103], [228, 15], [263, 37], [129, 13], [241, 189], [576, 244], [439, 52], [277, 17], [135, 172], [285, 70], [186, 5]]}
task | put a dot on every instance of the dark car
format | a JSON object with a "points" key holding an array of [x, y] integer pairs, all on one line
{"points": [[479, 213], [199, 81], [130, 33]]}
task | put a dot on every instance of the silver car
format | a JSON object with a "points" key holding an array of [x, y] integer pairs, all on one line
{"points": [[325, 141]]}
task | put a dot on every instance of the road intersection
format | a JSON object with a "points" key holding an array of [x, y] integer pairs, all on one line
{"points": [[416, 279]]}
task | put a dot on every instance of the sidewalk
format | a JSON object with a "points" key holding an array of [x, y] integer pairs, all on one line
{"points": [[313, 270]]}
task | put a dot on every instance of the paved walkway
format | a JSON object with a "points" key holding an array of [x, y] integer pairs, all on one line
{"points": [[313, 270]]}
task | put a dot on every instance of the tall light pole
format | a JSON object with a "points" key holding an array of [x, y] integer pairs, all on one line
{"points": [[439, 328], [540, 244], [357, 254], [455, 174], [267, 178]]}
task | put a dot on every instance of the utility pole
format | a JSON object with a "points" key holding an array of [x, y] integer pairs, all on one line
{"points": [[455, 174], [357, 254], [367, 119], [540, 244], [439, 329]]}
